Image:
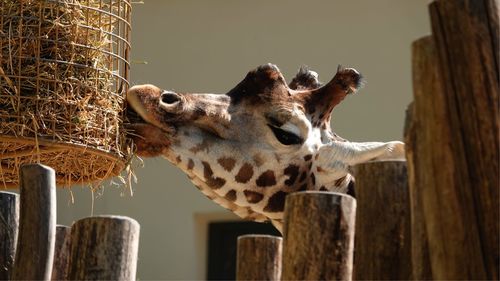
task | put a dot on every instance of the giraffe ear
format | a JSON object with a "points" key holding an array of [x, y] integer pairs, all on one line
{"points": [[265, 82], [305, 79]]}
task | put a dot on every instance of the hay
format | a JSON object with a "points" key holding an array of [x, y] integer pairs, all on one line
{"points": [[63, 77]]}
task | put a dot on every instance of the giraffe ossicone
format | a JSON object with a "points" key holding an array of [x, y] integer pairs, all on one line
{"points": [[248, 149]]}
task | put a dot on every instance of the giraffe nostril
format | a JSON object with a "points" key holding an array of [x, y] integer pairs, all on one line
{"points": [[170, 97]]}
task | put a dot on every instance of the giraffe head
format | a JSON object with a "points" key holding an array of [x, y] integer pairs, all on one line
{"points": [[249, 148]]}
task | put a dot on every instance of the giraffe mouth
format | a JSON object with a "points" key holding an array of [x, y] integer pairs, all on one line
{"points": [[133, 117], [143, 107]]}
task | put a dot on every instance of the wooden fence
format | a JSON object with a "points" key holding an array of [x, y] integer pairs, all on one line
{"points": [[32, 247]]}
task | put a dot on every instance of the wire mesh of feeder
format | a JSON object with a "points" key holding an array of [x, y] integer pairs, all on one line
{"points": [[63, 77]]}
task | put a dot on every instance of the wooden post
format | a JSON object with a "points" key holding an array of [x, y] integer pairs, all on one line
{"points": [[104, 248], [9, 225], [427, 148], [258, 257], [454, 141], [35, 246], [420, 261], [61, 253], [466, 38], [383, 242], [318, 236]]}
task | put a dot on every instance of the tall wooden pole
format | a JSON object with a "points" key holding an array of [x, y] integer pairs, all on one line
{"points": [[37, 226], [259, 257], [318, 236], [9, 225], [453, 143], [383, 235], [104, 248], [466, 36], [428, 152]]}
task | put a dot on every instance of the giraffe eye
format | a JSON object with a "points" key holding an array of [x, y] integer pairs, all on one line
{"points": [[285, 137]]}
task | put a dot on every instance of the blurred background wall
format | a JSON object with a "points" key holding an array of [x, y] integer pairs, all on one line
{"points": [[209, 46]]}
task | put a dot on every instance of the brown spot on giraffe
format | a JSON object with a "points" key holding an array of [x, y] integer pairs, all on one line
{"points": [[207, 170], [210, 180], [313, 179], [190, 165], [293, 172], [216, 183], [319, 169], [323, 188], [178, 159], [253, 196], [266, 179], [231, 195], [276, 202], [227, 163], [308, 157], [244, 174]]}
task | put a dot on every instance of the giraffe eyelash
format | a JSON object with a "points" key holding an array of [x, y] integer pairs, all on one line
{"points": [[285, 137]]}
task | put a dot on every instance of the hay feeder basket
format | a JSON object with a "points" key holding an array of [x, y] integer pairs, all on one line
{"points": [[64, 68]]}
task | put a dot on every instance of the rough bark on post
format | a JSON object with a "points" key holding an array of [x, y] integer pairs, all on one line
{"points": [[37, 224], [61, 253], [383, 235], [258, 257], [104, 248], [9, 225], [420, 260], [435, 177], [318, 236], [427, 149], [455, 142]]}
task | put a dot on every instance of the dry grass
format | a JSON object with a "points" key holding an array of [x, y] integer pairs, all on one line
{"points": [[63, 78]]}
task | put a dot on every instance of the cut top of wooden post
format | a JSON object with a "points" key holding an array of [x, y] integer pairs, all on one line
{"points": [[383, 236], [37, 226], [318, 236], [259, 257], [104, 247]]}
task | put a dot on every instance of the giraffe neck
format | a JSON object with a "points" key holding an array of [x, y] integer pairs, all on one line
{"points": [[253, 186]]}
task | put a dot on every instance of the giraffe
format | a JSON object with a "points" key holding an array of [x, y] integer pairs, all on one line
{"points": [[249, 148]]}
